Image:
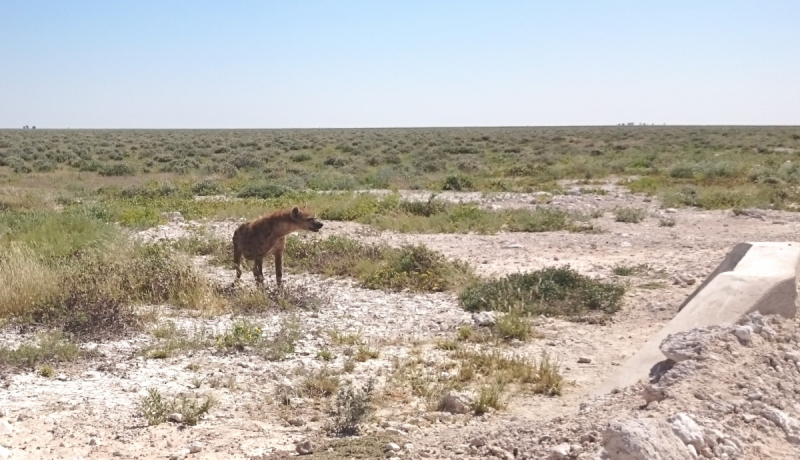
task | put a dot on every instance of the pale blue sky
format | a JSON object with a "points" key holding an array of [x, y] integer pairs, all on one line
{"points": [[299, 64]]}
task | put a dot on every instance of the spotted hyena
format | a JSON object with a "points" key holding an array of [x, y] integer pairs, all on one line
{"points": [[267, 235]]}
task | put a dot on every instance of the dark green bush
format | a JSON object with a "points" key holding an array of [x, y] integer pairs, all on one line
{"points": [[263, 191], [116, 169], [457, 183], [552, 291]]}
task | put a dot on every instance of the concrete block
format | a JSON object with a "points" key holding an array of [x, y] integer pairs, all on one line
{"points": [[753, 277]]}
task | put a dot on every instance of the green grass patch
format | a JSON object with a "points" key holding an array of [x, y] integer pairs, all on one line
{"points": [[49, 348], [513, 325]]}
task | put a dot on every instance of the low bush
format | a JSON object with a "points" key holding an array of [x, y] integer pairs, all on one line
{"points": [[630, 215], [263, 191], [552, 291], [206, 187], [155, 408]]}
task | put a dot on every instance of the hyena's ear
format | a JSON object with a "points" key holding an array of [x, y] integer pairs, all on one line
{"points": [[295, 212]]}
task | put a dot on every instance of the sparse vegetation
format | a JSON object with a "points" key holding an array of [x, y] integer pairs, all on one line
{"points": [[365, 353], [666, 221], [49, 348], [242, 333], [488, 398], [156, 409], [326, 355], [47, 371], [378, 266], [353, 407], [630, 215], [630, 270], [321, 384]]}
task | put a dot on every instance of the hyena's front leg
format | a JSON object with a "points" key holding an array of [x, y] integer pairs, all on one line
{"points": [[279, 267]]}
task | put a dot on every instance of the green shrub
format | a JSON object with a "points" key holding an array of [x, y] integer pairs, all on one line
{"points": [[353, 408], [263, 191], [539, 220], [457, 183], [552, 291], [116, 169], [417, 268], [242, 333], [206, 187]]}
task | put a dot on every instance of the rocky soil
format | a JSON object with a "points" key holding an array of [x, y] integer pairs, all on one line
{"points": [[735, 399]]}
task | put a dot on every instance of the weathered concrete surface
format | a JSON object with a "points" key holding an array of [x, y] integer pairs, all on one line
{"points": [[728, 263], [763, 280]]}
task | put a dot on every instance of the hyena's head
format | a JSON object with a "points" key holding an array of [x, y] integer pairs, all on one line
{"points": [[305, 220]]}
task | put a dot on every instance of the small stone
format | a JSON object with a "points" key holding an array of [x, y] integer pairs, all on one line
{"points": [[175, 417], [686, 429], [92, 441], [743, 333], [116, 453], [456, 403], [652, 393], [5, 427], [62, 377], [179, 454], [484, 319], [407, 427], [3, 412], [304, 448], [584, 360], [391, 447], [478, 441], [560, 451], [296, 421], [395, 431], [195, 447]]}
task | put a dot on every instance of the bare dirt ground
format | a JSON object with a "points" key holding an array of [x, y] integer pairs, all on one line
{"points": [[89, 410]]}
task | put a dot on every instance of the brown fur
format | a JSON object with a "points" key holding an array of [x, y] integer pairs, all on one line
{"points": [[266, 235]]}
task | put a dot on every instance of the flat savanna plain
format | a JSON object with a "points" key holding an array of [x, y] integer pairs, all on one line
{"points": [[124, 334]]}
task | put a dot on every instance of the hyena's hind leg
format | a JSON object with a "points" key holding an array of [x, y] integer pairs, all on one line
{"points": [[237, 260]]}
